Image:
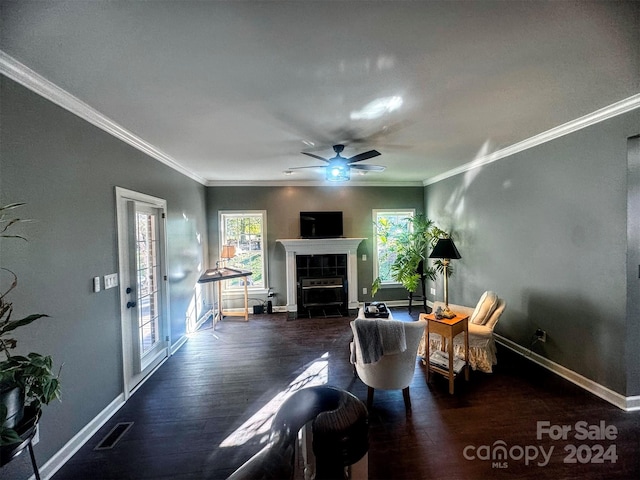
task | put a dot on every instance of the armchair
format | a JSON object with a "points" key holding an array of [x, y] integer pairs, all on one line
{"points": [[389, 371], [482, 320]]}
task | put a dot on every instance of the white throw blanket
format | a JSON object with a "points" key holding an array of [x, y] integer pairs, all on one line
{"points": [[377, 337]]}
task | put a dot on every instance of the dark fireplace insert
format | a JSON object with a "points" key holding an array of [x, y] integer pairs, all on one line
{"points": [[322, 285]]}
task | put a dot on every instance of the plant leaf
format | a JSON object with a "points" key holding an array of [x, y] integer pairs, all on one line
{"points": [[11, 206], [23, 321], [9, 436]]}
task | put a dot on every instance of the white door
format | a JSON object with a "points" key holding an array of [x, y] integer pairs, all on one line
{"points": [[143, 295]]}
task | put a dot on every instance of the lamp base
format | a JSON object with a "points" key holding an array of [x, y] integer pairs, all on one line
{"points": [[446, 313]]}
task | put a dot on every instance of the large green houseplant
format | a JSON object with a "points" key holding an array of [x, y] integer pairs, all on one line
{"points": [[410, 250], [25, 381]]}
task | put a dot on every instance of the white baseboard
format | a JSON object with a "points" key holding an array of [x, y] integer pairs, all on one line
{"points": [[625, 403], [72, 446], [176, 346]]}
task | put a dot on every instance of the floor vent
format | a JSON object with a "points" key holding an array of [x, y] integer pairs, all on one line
{"points": [[114, 436]]}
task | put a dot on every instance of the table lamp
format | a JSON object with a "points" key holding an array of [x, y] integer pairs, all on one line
{"points": [[228, 251], [446, 250]]}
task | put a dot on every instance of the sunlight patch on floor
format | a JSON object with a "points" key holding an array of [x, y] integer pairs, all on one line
{"points": [[316, 373]]}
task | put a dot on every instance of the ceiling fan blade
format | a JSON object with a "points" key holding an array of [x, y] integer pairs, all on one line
{"points": [[315, 156], [300, 168], [369, 168], [363, 156]]}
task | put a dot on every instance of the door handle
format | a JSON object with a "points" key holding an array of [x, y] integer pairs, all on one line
{"points": [[131, 304]]}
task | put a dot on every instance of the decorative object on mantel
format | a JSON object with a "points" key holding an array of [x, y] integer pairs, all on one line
{"points": [[445, 249]]}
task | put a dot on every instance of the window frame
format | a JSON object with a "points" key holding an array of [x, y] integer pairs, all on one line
{"points": [[404, 212], [228, 289]]}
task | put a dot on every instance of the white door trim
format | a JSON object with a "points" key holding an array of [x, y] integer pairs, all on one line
{"points": [[122, 196]]}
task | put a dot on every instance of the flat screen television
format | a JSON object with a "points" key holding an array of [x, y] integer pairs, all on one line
{"points": [[320, 224]]}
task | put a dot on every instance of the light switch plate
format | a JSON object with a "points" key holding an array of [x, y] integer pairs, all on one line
{"points": [[110, 281]]}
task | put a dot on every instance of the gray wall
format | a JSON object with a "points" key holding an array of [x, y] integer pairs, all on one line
{"points": [[547, 230], [633, 268], [66, 170], [283, 206]]}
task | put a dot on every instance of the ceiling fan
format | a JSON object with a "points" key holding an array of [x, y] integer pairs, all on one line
{"points": [[338, 168]]}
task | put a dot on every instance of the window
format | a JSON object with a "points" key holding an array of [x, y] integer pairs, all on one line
{"points": [[388, 226], [246, 231]]}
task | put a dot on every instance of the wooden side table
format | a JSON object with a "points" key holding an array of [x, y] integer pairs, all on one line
{"points": [[447, 328]]}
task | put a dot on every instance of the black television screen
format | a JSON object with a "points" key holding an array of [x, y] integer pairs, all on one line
{"points": [[320, 224]]}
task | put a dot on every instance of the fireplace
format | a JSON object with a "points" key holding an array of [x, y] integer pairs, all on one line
{"points": [[321, 283], [343, 255]]}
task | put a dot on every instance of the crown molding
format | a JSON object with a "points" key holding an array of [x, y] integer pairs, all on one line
{"points": [[309, 183], [613, 110], [28, 78]]}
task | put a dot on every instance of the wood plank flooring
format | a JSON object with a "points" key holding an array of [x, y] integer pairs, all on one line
{"points": [[203, 413]]}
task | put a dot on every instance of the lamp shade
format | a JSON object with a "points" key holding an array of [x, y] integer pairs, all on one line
{"points": [[445, 248], [228, 251]]}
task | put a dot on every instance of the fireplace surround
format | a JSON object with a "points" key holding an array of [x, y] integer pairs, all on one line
{"points": [[321, 246]]}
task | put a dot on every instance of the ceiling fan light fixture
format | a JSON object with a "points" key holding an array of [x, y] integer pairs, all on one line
{"points": [[337, 173], [338, 168]]}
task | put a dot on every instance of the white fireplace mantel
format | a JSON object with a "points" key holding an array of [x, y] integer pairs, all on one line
{"points": [[321, 246]]}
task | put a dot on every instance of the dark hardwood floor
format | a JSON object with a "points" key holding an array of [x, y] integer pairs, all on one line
{"points": [[201, 415]]}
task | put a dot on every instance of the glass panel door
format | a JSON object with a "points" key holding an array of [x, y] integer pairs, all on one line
{"points": [[147, 276], [143, 290]]}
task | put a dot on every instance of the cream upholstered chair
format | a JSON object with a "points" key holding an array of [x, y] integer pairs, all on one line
{"points": [[482, 320], [389, 367]]}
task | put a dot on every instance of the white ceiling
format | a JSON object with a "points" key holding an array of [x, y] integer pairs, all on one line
{"points": [[234, 91]]}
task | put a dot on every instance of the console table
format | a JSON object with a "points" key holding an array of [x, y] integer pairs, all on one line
{"points": [[216, 275], [447, 328]]}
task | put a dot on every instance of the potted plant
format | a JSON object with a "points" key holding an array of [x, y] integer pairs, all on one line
{"points": [[411, 249], [25, 381]]}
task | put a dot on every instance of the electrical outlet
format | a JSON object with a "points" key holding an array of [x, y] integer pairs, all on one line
{"points": [[541, 335], [364, 290], [96, 284], [433, 291], [364, 257]]}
